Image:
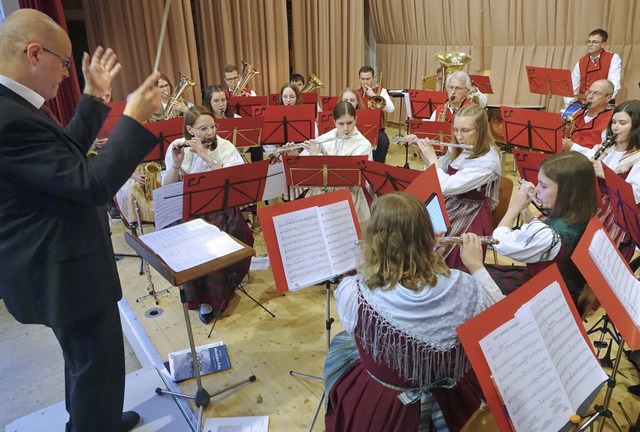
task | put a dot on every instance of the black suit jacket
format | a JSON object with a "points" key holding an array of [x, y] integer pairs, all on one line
{"points": [[56, 258]]}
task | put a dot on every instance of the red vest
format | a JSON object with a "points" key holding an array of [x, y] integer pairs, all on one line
{"points": [[591, 71], [448, 115], [589, 134]]}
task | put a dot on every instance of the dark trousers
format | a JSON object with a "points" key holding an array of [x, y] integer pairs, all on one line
{"points": [[94, 372], [256, 153], [380, 153]]}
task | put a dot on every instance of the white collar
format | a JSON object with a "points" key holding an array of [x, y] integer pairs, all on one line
{"points": [[25, 92]]}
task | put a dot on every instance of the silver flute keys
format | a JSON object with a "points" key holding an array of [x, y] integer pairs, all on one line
{"points": [[402, 140]]}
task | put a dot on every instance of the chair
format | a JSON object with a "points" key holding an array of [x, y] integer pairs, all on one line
{"points": [[481, 421], [504, 197], [586, 300]]}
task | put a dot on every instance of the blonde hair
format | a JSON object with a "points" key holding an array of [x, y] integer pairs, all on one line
{"points": [[399, 245], [484, 139]]}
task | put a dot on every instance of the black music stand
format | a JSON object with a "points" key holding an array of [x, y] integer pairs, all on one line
{"points": [[214, 190], [202, 397], [549, 82], [385, 179], [533, 130], [243, 105], [286, 123], [424, 103], [399, 94], [167, 131]]}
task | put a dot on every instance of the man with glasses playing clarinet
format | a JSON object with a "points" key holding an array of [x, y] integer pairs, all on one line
{"points": [[597, 64]]}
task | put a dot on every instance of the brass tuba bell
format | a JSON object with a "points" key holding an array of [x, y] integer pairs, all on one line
{"points": [[313, 83], [377, 101], [451, 62], [184, 84], [248, 72]]}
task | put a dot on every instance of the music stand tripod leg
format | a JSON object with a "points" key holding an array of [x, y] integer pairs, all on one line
{"points": [[328, 321], [202, 397]]}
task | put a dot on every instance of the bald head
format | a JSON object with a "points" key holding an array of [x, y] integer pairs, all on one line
{"points": [[24, 27]]}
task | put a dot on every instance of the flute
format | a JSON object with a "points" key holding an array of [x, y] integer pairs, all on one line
{"points": [[609, 142], [535, 201], [301, 145], [458, 240], [402, 140]]}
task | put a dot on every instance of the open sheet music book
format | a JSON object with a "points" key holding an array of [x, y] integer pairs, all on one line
{"points": [[316, 243], [542, 367], [190, 244], [621, 280]]}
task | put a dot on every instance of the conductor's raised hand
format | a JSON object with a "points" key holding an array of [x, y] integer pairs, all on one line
{"points": [[145, 100], [99, 71]]}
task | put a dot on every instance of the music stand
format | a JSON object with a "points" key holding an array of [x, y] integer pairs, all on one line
{"points": [[399, 94], [534, 130], [324, 171], [286, 123], [549, 82], [325, 122], [328, 103], [622, 201], [433, 130], [243, 132], [368, 122], [243, 105], [273, 99], [167, 131], [384, 178], [482, 83], [215, 190], [424, 103], [202, 397]]}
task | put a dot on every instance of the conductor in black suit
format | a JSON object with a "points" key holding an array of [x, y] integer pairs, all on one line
{"points": [[56, 256]]}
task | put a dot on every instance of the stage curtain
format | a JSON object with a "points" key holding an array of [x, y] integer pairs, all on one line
{"points": [[329, 41], [254, 31], [64, 104], [503, 37], [132, 30]]}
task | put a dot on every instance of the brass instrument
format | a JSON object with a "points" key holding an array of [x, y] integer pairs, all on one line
{"points": [[430, 82], [299, 146], [451, 62], [313, 83], [248, 72], [608, 143], [443, 241], [569, 122], [184, 84], [91, 154], [402, 140], [151, 170], [447, 106], [377, 101]]}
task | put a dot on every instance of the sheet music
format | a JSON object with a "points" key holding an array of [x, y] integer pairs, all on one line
{"points": [[407, 103], [302, 248], [190, 244], [276, 183], [237, 424], [622, 282], [167, 204], [340, 232], [575, 363], [436, 215]]}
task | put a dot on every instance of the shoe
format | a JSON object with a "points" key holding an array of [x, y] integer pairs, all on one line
{"points": [[113, 210], [206, 318], [129, 420]]}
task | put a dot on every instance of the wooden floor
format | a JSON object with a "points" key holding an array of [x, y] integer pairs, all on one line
{"points": [[271, 347]]}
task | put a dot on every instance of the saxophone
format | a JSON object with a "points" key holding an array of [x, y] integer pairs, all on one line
{"points": [[150, 171], [446, 107]]}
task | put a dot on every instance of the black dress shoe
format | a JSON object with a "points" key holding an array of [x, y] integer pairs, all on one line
{"points": [[206, 318], [129, 420]]}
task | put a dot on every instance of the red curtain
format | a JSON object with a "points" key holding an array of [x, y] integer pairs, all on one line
{"points": [[64, 104]]}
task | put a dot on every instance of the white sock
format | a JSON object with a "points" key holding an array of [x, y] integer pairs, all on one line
{"points": [[205, 308]]}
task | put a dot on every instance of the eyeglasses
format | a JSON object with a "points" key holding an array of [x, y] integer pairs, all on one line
{"points": [[462, 131], [452, 88], [594, 93], [592, 42], [65, 61], [235, 78]]}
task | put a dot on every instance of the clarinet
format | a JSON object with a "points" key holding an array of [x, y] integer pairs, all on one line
{"points": [[608, 143]]}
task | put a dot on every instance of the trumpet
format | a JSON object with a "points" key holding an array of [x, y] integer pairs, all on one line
{"points": [[402, 140], [299, 146], [535, 201], [608, 143], [443, 241]]}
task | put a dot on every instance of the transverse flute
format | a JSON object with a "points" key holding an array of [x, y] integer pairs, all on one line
{"points": [[301, 145], [535, 201], [458, 240], [402, 140]]}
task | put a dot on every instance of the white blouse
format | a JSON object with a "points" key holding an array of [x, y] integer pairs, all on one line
{"points": [[528, 243]]}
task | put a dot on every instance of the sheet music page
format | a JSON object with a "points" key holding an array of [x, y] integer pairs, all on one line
{"points": [[276, 183], [407, 103], [622, 282], [237, 424], [575, 363], [525, 376], [340, 232], [167, 204], [302, 248], [190, 244]]}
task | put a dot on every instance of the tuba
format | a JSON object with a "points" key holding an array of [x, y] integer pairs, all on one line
{"points": [[377, 101], [248, 72], [184, 84], [452, 62], [313, 83], [151, 170]]}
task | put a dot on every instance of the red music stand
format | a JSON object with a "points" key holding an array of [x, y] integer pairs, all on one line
{"points": [[283, 124], [528, 164], [325, 121], [273, 99], [324, 171], [549, 82], [167, 131], [384, 178], [427, 184], [623, 204], [328, 103], [243, 105], [433, 130], [482, 83], [423, 103], [116, 110], [367, 122], [242, 132], [534, 130]]}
